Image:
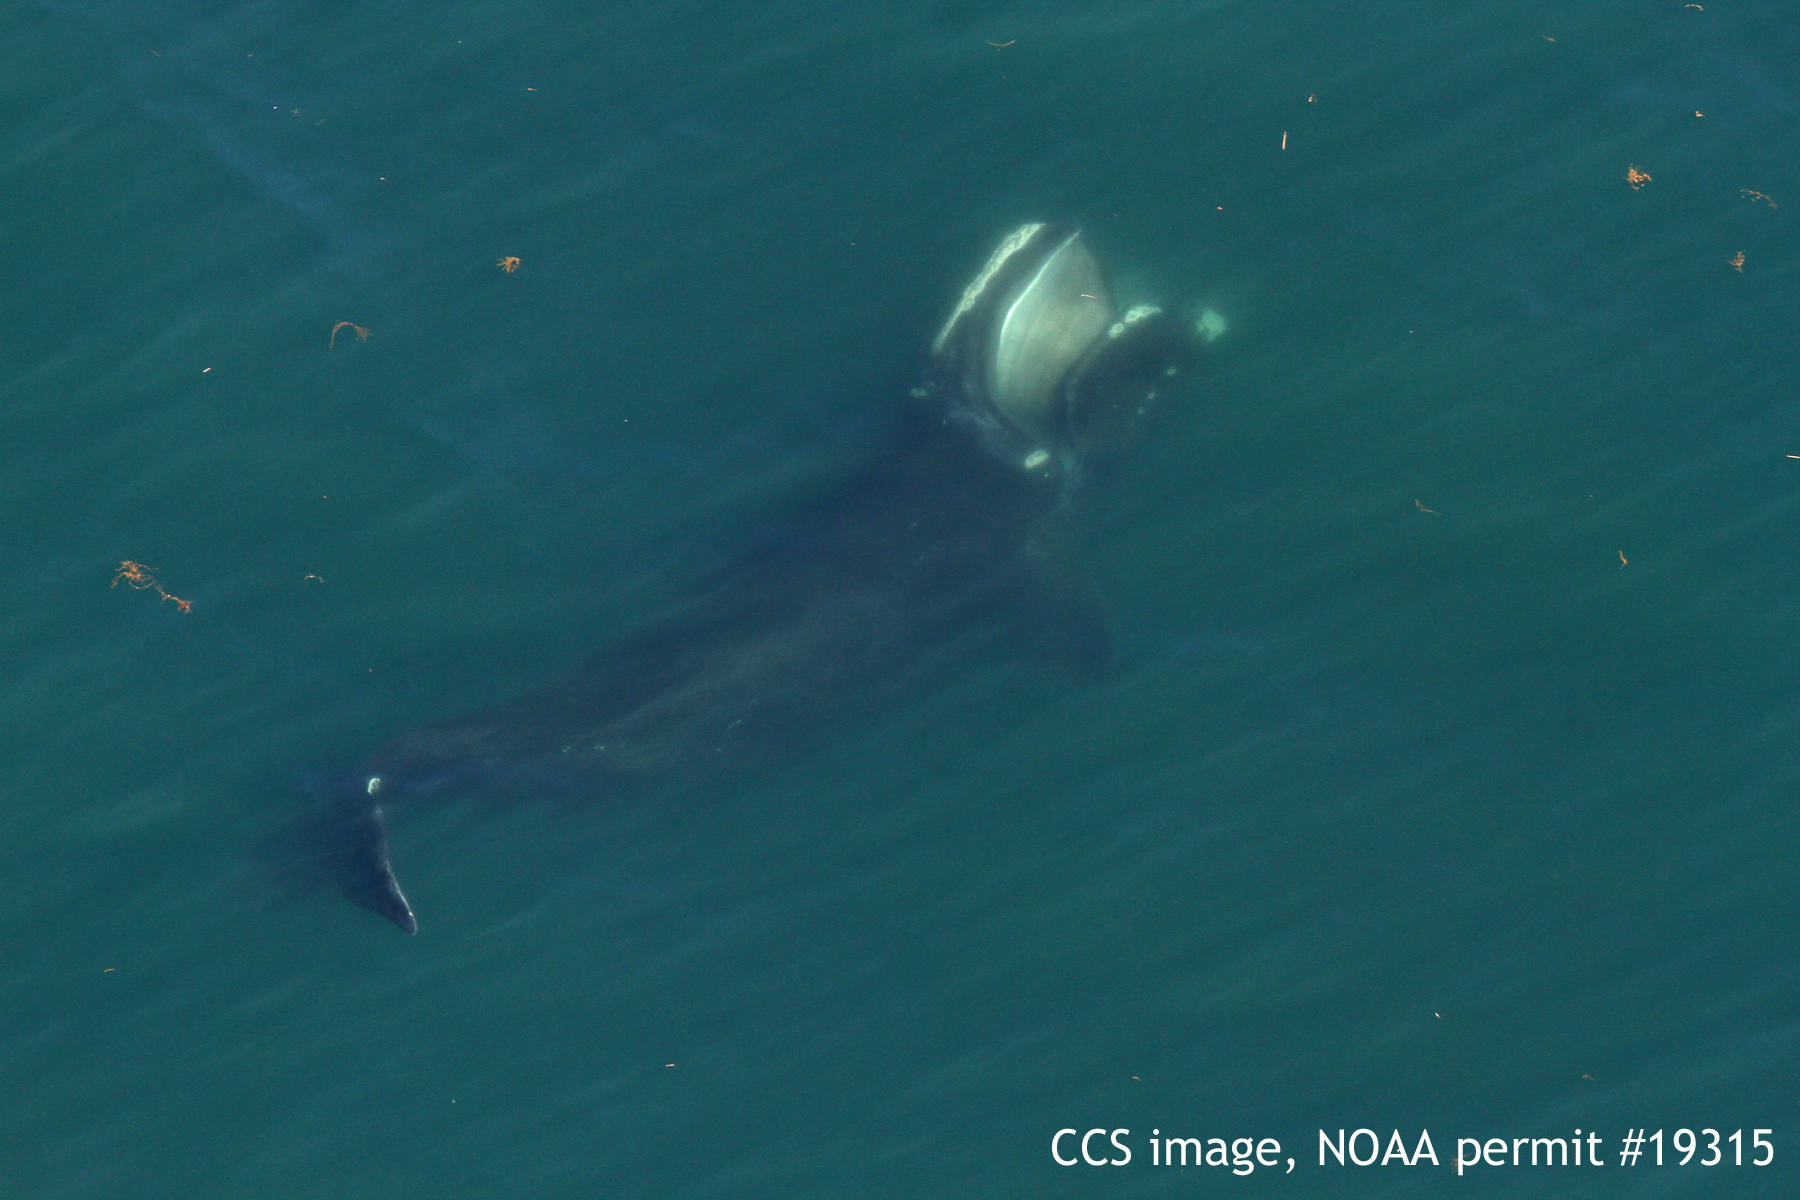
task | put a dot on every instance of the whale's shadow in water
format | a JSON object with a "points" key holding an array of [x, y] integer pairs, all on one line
{"points": [[944, 550]]}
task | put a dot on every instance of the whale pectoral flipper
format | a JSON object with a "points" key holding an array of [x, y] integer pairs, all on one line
{"points": [[360, 861]]}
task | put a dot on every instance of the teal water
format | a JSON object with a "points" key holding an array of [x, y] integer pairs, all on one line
{"points": [[1479, 819]]}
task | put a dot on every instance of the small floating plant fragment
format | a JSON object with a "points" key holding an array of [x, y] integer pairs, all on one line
{"points": [[362, 335], [139, 576]]}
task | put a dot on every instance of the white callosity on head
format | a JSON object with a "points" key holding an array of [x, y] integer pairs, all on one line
{"points": [[1136, 313], [1050, 320], [1210, 325], [971, 294]]}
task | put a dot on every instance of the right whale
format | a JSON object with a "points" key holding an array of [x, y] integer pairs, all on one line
{"points": [[876, 591]]}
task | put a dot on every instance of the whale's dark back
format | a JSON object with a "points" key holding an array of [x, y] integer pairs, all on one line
{"points": [[880, 590]]}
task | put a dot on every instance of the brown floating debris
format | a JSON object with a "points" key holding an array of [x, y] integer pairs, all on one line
{"points": [[1635, 177], [1747, 194], [139, 576], [362, 335], [508, 264], [1737, 263]]}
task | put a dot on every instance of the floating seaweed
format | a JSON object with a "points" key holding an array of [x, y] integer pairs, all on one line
{"points": [[139, 576], [362, 335]]}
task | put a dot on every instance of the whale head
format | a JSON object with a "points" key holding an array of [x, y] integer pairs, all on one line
{"points": [[1039, 357]]}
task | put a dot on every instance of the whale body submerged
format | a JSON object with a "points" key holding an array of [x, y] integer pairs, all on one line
{"points": [[934, 552]]}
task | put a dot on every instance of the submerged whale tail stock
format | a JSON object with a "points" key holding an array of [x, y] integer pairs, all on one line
{"points": [[944, 544], [365, 872], [344, 842]]}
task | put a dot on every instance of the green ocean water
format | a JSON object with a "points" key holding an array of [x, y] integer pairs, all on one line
{"points": [[1446, 779]]}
